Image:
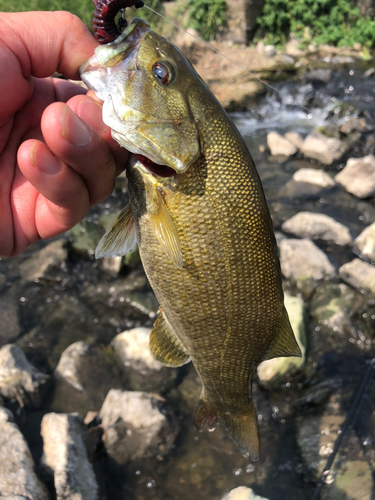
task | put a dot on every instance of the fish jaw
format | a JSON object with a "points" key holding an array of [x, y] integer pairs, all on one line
{"points": [[119, 78]]}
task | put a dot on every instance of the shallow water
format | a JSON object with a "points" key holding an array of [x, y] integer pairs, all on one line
{"points": [[81, 302]]}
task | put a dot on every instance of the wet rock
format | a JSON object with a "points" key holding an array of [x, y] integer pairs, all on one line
{"points": [[9, 318], [359, 274], [111, 266], [358, 176], [273, 372], [304, 263], [322, 148], [295, 138], [19, 379], [308, 183], [83, 377], [84, 238], [319, 75], [317, 227], [279, 145], [242, 493], [357, 125], [364, 244], [136, 425], [18, 480], [40, 264], [142, 373], [65, 457]]}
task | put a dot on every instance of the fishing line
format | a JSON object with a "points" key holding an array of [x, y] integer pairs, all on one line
{"points": [[348, 421], [222, 55]]}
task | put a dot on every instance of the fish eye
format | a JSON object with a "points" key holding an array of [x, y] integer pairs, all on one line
{"points": [[163, 72]]}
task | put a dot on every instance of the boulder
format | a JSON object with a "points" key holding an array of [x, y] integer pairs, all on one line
{"points": [[317, 227], [295, 138], [357, 125], [65, 457], [40, 263], [364, 244], [279, 145], [83, 377], [242, 493], [324, 149], [304, 263], [19, 379], [359, 274], [308, 183], [136, 425], [273, 372], [358, 176], [134, 359], [18, 480]]}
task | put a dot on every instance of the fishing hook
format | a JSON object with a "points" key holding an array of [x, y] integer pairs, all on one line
{"points": [[105, 28]]}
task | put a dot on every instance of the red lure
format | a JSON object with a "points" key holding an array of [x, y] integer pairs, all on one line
{"points": [[105, 28]]}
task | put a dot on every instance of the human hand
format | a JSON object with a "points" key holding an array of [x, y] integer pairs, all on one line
{"points": [[53, 165]]}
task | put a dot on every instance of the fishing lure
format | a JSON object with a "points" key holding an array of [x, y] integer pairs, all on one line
{"points": [[105, 28]]}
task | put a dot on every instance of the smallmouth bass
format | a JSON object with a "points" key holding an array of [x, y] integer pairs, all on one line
{"points": [[199, 215]]}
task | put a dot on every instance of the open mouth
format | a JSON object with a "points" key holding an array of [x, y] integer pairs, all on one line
{"points": [[155, 169]]}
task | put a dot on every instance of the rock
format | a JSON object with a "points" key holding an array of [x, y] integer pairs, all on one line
{"points": [[111, 266], [135, 426], [358, 176], [273, 372], [279, 145], [19, 379], [18, 480], [357, 125], [40, 264], [83, 377], [134, 359], [3, 281], [242, 493], [304, 263], [322, 148], [319, 75], [308, 183], [241, 17], [269, 50], [84, 237], [9, 317], [65, 457], [365, 242], [317, 227], [359, 274], [295, 138]]}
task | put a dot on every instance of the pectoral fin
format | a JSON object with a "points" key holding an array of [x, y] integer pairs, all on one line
{"points": [[165, 346], [285, 343], [166, 232], [120, 238]]}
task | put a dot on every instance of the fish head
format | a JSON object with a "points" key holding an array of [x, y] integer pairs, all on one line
{"points": [[144, 83]]}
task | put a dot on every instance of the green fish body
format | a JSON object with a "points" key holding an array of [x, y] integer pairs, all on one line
{"points": [[199, 215]]}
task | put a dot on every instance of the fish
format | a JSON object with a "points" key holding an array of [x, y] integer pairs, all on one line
{"points": [[199, 215]]}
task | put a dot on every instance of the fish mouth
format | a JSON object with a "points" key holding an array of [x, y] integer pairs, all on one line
{"points": [[155, 169]]}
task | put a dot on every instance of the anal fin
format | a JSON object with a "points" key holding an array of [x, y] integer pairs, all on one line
{"points": [[284, 343], [165, 347]]}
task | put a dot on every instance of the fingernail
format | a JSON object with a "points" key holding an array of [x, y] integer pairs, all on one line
{"points": [[42, 159], [73, 129], [91, 112]]}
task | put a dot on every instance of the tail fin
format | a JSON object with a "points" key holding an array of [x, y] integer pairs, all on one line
{"points": [[242, 428]]}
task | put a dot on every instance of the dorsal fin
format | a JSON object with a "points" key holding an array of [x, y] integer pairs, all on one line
{"points": [[165, 347]]}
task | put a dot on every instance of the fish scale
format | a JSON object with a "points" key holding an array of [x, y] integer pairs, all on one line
{"points": [[202, 224]]}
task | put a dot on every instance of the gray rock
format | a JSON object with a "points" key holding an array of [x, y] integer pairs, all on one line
{"points": [[279, 145], [65, 457], [358, 176], [134, 359], [83, 377], [19, 379], [365, 242], [242, 493], [3, 281], [317, 227], [273, 372], [9, 319], [40, 263], [269, 50], [295, 138], [304, 263], [111, 266], [309, 183], [322, 148], [18, 480], [84, 237], [319, 75], [359, 274], [135, 426], [357, 125], [314, 176]]}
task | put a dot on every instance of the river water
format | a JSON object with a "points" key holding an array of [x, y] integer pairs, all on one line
{"points": [[207, 465]]}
